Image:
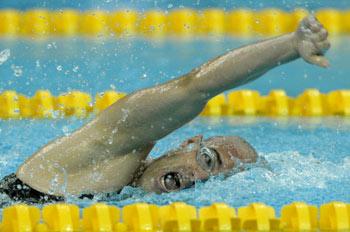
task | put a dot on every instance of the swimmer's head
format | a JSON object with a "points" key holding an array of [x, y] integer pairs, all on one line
{"points": [[196, 160]]}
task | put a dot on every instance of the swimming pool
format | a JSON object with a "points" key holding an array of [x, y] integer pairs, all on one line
{"points": [[308, 157]]}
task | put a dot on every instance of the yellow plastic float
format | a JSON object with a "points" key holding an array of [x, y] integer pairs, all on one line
{"points": [[25, 106], [141, 217], [338, 102], [218, 217], [35, 23], [74, 103], [335, 216], [65, 22], [61, 217], [182, 22], [309, 103], [178, 216], [240, 23], [42, 104], [276, 103], [272, 22], [212, 22], [9, 105], [299, 216], [258, 217], [10, 22], [331, 19], [123, 22], [93, 23], [217, 106], [153, 24], [243, 102]]}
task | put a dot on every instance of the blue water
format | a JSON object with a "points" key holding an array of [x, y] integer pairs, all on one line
{"points": [[309, 158]]}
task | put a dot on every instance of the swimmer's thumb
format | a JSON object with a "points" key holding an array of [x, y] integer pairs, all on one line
{"points": [[315, 59]]}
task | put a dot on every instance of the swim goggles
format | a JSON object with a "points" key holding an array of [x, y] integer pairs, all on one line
{"points": [[207, 158]]}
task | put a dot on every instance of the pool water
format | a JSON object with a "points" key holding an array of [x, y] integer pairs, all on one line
{"points": [[308, 158]]}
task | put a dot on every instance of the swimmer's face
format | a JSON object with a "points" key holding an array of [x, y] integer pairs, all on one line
{"points": [[196, 160]]}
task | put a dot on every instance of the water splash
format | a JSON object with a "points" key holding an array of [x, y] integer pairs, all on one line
{"points": [[292, 177]]}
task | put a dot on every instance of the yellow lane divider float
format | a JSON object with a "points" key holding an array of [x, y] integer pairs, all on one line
{"points": [[156, 23], [176, 217], [242, 102]]}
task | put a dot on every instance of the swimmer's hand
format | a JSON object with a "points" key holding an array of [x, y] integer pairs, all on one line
{"points": [[311, 41]]}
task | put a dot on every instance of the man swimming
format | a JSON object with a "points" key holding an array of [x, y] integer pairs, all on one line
{"points": [[109, 152]]}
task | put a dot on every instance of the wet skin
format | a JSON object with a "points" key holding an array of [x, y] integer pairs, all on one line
{"points": [[196, 160]]}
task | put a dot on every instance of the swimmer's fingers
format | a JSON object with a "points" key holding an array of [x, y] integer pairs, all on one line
{"points": [[311, 58], [313, 43], [319, 60]]}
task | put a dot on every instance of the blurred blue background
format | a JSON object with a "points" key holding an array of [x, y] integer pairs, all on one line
{"points": [[165, 4]]}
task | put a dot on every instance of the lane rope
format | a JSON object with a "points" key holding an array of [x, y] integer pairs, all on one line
{"points": [[219, 217], [242, 102], [184, 22]]}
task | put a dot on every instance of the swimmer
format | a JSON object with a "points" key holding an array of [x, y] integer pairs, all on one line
{"points": [[110, 152]]}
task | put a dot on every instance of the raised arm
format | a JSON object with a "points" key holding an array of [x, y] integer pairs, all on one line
{"points": [[155, 112]]}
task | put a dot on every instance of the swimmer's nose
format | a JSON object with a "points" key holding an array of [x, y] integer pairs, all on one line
{"points": [[193, 170]]}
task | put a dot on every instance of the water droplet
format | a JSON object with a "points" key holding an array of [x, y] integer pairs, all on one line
{"points": [[125, 115], [4, 55], [17, 70], [37, 63], [76, 69], [65, 130], [51, 45]]}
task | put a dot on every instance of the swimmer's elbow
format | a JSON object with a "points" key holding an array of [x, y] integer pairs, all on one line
{"points": [[191, 88]]}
